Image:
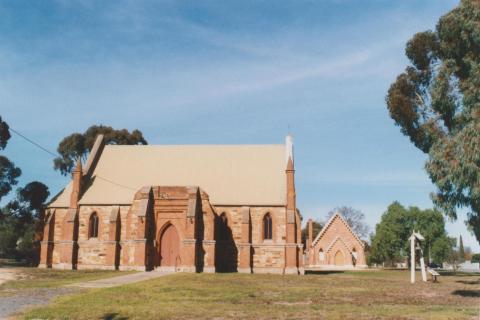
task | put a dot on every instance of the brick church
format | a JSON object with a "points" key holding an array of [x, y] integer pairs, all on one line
{"points": [[195, 208], [335, 247]]}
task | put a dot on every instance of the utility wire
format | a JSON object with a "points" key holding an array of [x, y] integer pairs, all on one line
{"points": [[55, 155], [32, 142], [115, 183]]}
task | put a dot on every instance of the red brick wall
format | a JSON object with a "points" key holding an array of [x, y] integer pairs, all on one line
{"points": [[336, 237]]}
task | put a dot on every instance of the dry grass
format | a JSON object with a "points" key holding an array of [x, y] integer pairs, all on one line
{"points": [[30, 278], [360, 295]]}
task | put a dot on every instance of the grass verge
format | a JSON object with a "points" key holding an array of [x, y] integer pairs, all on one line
{"points": [[30, 278], [347, 295]]}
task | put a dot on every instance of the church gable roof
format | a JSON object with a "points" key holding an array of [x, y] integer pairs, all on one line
{"points": [[229, 174], [336, 217]]}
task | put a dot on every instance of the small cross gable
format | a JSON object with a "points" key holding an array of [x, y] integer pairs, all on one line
{"points": [[334, 217]]}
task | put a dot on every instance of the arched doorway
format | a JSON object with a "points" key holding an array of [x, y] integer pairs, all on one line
{"points": [[169, 250], [339, 260]]}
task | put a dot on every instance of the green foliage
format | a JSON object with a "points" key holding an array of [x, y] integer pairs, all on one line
{"points": [[19, 220], [453, 257], [78, 145], [475, 257], [390, 243], [441, 250], [8, 172], [355, 219], [316, 228], [34, 195], [8, 236], [8, 175], [4, 134], [26, 244], [436, 103], [390, 235]]}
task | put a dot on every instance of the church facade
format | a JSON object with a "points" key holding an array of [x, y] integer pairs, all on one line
{"points": [[194, 208]]}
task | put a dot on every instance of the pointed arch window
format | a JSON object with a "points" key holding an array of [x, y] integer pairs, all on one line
{"points": [[223, 227], [321, 255], [93, 226], [267, 227], [354, 253]]}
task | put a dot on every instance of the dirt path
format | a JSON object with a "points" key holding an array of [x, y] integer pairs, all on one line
{"points": [[7, 274], [120, 280], [23, 299], [11, 305]]}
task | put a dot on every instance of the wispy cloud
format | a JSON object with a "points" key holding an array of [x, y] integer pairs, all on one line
{"points": [[374, 178], [224, 72]]}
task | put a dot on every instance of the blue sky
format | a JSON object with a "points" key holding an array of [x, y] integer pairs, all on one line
{"points": [[225, 72]]}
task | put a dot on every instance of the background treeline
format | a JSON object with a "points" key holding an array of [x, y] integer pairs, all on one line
{"points": [[390, 242], [20, 218]]}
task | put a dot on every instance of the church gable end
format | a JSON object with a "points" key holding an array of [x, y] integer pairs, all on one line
{"points": [[336, 246]]}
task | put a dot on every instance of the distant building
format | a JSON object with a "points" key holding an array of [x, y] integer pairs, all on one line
{"points": [[335, 247], [187, 208]]}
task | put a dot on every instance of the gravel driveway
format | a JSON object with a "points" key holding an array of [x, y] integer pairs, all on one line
{"points": [[19, 300], [28, 298]]}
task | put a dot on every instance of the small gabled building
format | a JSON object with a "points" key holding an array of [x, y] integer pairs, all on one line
{"points": [[335, 247]]}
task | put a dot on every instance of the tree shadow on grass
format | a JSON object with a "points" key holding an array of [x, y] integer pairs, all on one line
{"points": [[468, 282], [458, 274], [325, 272], [467, 293], [113, 316]]}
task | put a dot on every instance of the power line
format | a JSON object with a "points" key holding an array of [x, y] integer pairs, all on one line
{"points": [[55, 156], [115, 183], [32, 142]]}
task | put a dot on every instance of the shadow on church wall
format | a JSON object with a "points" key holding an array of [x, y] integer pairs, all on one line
{"points": [[199, 235], [226, 252]]}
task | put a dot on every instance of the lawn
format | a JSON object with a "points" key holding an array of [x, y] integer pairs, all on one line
{"points": [[32, 278], [348, 295]]}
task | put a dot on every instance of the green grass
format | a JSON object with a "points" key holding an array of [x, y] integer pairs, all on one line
{"points": [[360, 295], [30, 278]]}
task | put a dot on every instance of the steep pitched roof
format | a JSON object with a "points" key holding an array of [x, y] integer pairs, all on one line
{"points": [[229, 174], [329, 223]]}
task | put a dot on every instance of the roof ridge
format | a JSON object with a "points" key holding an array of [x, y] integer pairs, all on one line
{"points": [[195, 145]]}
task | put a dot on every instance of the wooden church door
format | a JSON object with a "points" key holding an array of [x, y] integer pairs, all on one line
{"points": [[169, 247], [339, 258]]}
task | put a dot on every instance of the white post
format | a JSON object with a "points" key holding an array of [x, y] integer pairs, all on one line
{"points": [[422, 265], [412, 259]]}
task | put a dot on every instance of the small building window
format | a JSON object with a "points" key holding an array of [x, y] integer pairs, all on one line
{"points": [[267, 227], [223, 227], [354, 256], [354, 253], [321, 255], [93, 226]]}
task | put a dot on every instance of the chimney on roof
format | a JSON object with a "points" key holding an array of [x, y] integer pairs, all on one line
{"points": [[76, 184]]}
